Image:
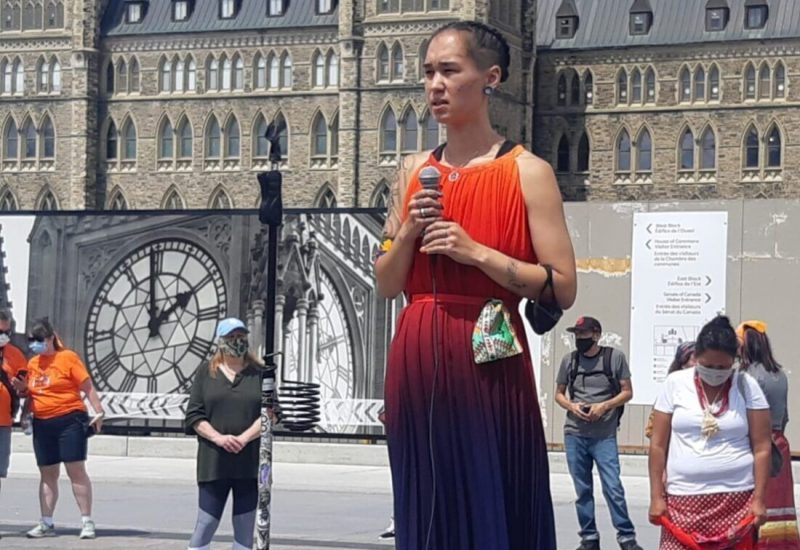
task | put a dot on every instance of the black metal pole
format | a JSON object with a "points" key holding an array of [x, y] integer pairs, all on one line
{"points": [[271, 214]]}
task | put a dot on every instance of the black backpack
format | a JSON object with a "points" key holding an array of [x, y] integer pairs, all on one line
{"points": [[11, 391], [607, 371]]}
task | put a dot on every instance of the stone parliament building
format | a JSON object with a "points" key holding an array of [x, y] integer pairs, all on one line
{"points": [[148, 104], [131, 104], [669, 99]]}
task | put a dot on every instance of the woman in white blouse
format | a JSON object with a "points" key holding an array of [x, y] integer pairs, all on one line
{"points": [[711, 437]]}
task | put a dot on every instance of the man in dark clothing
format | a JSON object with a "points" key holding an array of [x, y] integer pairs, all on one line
{"points": [[593, 385]]}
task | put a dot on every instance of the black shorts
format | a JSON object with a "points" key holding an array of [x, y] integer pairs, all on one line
{"points": [[61, 439]]}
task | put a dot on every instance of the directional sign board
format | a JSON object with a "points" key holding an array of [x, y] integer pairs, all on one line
{"points": [[677, 285]]}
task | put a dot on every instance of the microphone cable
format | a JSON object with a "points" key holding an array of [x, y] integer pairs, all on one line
{"points": [[431, 453], [430, 178]]}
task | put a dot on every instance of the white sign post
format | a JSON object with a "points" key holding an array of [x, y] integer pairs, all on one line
{"points": [[537, 358], [677, 285]]}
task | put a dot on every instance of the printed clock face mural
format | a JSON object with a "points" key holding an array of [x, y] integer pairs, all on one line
{"points": [[335, 359], [152, 321], [333, 364]]}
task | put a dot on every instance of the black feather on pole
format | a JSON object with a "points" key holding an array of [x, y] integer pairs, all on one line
{"points": [[273, 135]]}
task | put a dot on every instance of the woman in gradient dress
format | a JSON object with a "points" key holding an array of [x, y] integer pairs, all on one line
{"points": [[466, 443]]}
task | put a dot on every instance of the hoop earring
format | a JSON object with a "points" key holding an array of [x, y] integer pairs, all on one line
{"points": [[488, 90]]}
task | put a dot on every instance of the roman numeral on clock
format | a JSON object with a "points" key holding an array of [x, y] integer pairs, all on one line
{"points": [[207, 279], [208, 313], [183, 380], [102, 335], [107, 365], [158, 261], [128, 383], [132, 280], [199, 347]]}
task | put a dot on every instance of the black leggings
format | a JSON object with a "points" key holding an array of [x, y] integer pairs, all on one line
{"points": [[212, 498]]}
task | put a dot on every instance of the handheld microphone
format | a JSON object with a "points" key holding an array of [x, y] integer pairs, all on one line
{"points": [[430, 178]]}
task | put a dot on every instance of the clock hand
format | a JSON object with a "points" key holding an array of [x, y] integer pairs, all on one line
{"points": [[153, 324], [181, 301]]}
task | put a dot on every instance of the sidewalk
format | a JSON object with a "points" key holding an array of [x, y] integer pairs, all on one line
{"points": [[131, 477], [148, 503], [181, 471], [294, 452]]}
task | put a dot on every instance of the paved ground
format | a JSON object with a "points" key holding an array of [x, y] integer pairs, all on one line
{"points": [[148, 503]]}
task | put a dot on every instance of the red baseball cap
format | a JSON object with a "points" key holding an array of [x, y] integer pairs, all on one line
{"points": [[586, 323]]}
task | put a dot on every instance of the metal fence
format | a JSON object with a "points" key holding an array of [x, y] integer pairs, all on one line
{"points": [[92, 274]]}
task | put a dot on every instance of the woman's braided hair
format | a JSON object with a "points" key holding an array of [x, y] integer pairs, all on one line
{"points": [[486, 45]]}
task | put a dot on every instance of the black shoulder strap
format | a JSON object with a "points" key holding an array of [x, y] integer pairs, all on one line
{"points": [[572, 373], [608, 367], [506, 147]]}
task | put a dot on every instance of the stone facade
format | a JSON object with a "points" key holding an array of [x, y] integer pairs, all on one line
{"points": [[113, 96], [38, 180], [718, 91]]}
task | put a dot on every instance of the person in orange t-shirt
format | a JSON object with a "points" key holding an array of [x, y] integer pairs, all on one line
{"points": [[12, 361], [56, 379]]}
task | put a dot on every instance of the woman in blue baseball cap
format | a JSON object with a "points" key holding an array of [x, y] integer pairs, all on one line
{"points": [[224, 411]]}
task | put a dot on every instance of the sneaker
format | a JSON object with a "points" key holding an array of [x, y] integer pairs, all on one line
{"points": [[590, 545], [87, 532], [630, 545], [41, 530], [389, 532]]}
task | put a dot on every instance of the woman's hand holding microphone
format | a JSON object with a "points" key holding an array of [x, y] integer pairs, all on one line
{"points": [[424, 209], [425, 218]]}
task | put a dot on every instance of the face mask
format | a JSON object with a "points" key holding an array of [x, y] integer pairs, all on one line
{"points": [[4, 339], [713, 377], [37, 347], [236, 347], [584, 344]]}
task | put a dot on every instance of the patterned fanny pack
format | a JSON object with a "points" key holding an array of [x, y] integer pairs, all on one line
{"points": [[494, 337]]}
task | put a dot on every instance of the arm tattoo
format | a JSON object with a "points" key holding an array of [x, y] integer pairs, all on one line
{"points": [[512, 269], [392, 215], [395, 205]]}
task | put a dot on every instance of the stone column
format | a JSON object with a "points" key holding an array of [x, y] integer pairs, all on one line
{"points": [[350, 46], [302, 315], [280, 337], [313, 339], [257, 336], [285, 358], [85, 69]]}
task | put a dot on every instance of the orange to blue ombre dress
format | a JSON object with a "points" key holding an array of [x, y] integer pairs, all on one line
{"points": [[488, 454]]}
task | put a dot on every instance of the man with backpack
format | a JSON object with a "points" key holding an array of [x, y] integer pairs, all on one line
{"points": [[593, 385]]}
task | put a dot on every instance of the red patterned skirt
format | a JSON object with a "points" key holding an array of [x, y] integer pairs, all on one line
{"points": [[708, 522], [780, 531]]}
